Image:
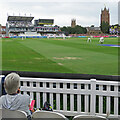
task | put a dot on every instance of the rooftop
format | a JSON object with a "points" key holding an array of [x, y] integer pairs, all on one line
{"points": [[20, 18]]}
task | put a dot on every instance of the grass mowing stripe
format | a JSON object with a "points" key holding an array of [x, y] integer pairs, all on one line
{"points": [[35, 46], [72, 56], [50, 49], [90, 59], [82, 44], [22, 58]]}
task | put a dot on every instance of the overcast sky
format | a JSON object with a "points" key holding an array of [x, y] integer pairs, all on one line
{"points": [[86, 12]]}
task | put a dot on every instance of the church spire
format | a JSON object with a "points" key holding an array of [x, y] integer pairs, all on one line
{"points": [[104, 6]]}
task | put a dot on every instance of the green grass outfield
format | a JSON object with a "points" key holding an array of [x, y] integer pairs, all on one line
{"points": [[72, 55]]}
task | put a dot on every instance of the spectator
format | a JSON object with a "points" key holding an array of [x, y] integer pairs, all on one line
{"points": [[13, 100]]}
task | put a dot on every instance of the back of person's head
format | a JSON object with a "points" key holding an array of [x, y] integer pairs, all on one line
{"points": [[12, 83]]}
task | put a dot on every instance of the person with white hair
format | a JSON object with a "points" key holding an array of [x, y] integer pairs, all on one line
{"points": [[13, 100]]}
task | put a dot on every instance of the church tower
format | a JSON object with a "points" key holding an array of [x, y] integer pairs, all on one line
{"points": [[73, 23], [105, 16]]}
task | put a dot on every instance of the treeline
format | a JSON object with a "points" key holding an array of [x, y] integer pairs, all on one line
{"points": [[76, 30]]}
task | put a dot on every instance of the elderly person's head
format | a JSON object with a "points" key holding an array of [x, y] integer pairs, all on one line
{"points": [[12, 83]]}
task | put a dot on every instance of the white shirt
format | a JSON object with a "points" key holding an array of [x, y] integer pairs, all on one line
{"points": [[101, 39]]}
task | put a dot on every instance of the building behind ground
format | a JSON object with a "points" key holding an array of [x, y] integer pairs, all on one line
{"points": [[2, 31], [73, 23], [19, 24], [105, 16], [46, 26], [93, 30]]}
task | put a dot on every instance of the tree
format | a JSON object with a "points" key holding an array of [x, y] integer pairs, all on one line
{"points": [[76, 30], [104, 27]]}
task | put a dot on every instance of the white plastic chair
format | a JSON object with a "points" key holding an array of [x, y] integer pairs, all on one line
{"points": [[89, 117], [48, 114], [4, 113]]}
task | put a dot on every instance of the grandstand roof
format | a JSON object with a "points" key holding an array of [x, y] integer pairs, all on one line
{"points": [[19, 18]]}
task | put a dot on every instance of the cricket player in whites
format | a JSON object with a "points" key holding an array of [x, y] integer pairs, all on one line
{"points": [[48, 36], [63, 35], [101, 40], [89, 39]]}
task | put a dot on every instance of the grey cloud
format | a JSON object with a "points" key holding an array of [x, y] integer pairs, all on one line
{"points": [[86, 13]]}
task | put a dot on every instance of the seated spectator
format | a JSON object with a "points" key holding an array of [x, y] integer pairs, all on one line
{"points": [[13, 100]]}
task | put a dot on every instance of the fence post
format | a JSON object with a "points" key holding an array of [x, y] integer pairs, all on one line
{"points": [[64, 98], [25, 85], [93, 97], [71, 102], [31, 93], [108, 101], [57, 101], [116, 101], [115, 105]]}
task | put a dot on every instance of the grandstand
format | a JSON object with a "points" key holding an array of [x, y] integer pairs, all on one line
{"points": [[45, 26], [2, 31], [19, 24]]}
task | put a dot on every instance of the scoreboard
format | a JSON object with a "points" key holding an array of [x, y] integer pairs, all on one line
{"points": [[42, 22]]}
